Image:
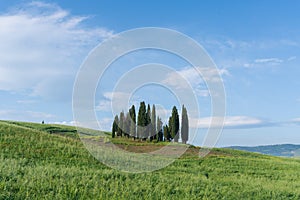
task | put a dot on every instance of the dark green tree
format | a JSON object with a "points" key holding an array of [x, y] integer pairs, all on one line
{"points": [[133, 122], [127, 124], [184, 125], [167, 135], [142, 121], [159, 130], [153, 124], [170, 124], [174, 124], [115, 126], [148, 124], [121, 124]]}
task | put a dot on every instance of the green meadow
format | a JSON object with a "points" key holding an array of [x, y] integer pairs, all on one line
{"points": [[44, 161]]}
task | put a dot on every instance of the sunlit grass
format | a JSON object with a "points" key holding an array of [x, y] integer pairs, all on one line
{"points": [[35, 164]]}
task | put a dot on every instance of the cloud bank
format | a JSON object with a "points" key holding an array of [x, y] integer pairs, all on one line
{"points": [[230, 122]]}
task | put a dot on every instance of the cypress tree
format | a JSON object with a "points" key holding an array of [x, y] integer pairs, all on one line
{"points": [[174, 124], [170, 126], [127, 124], [159, 130], [113, 132], [119, 130], [133, 122], [184, 126], [121, 124], [148, 124], [153, 124], [115, 126], [166, 133], [142, 121]]}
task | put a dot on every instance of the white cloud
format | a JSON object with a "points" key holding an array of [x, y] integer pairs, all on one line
{"points": [[103, 124], [163, 113], [116, 95], [272, 61], [229, 122], [288, 42], [296, 121], [26, 101], [69, 123], [180, 79], [226, 44], [195, 78], [264, 62], [104, 105], [113, 101], [228, 52], [28, 115], [291, 58], [42, 43]]}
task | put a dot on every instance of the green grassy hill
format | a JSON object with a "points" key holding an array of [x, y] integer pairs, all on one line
{"points": [[50, 162]]}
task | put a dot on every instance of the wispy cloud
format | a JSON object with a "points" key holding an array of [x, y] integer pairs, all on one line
{"points": [[295, 121], [42, 44], [239, 122], [225, 44], [26, 101], [25, 115], [264, 62], [229, 52], [113, 101], [230, 122], [272, 61], [103, 105], [195, 78], [292, 58], [69, 123]]}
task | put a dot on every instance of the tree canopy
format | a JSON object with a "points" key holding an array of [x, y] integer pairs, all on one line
{"points": [[147, 126]]}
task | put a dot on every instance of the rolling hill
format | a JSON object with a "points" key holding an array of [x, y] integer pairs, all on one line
{"points": [[44, 161], [284, 150]]}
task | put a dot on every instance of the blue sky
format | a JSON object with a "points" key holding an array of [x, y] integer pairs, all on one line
{"points": [[255, 45]]}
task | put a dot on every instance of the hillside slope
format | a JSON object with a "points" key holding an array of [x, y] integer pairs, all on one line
{"points": [[35, 164]]}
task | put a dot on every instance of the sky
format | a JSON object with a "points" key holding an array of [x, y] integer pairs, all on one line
{"points": [[255, 46]]}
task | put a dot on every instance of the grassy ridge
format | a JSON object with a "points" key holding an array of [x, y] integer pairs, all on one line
{"points": [[37, 165]]}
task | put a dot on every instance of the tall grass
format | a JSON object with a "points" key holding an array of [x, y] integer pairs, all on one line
{"points": [[37, 165]]}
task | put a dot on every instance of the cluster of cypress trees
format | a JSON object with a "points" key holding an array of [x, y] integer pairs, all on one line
{"points": [[147, 126]]}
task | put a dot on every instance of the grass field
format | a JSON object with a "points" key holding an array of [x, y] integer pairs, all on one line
{"points": [[50, 162]]}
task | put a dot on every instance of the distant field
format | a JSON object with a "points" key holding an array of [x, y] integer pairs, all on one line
{"points": [[284, 150], [43, 161]]}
